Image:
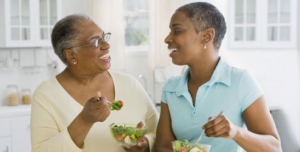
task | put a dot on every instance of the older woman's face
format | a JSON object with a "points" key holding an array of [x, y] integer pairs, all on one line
{"points": [[184, 44], [90, 58]]}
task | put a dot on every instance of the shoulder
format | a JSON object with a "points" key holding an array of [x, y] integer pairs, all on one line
{"points": [[244, 81], [45, 91], [124, 80], [47, 85], [172, 83], [237, 72], [238, 75], [122, 77]]}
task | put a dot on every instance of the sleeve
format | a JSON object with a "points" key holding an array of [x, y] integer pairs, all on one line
{"points": [[45, 135], [164, 92], [151, 118], [249, 90]]}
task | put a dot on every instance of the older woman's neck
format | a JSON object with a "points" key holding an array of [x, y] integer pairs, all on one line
{"points": [[84, 78]]}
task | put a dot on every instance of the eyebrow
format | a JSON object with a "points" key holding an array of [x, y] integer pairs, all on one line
{"points": [[176, 24], [94, 37]]}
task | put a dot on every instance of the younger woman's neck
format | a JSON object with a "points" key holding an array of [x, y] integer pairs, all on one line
{"points": [[202, 72]]}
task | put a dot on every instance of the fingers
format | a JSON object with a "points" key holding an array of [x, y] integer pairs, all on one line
{"points": [[96, 109], [140, 125], [219, 127], [98, 94], [216, 131], [213, 122], [140, 146], [97, 97]]}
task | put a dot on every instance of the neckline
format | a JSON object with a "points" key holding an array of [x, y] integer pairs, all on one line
{"points": [[69, 96]]}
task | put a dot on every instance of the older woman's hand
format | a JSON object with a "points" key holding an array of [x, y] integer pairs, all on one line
{"points": [[95, 110], [220, 127], [142, 146]]}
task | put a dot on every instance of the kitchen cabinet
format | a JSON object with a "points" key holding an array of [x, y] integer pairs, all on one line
{"points": [[15, 129], [5, 145], [21, 134], [263, 24], [48, 14], [28, 23]]}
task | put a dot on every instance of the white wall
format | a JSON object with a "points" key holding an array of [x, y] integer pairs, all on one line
{"points": [[26, 71]]}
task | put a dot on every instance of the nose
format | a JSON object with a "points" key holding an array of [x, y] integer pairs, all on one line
{"points": [[168, 39], [104, 46]]}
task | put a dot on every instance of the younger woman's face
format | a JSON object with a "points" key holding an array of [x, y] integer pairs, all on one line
{"points": [[184, 44]]}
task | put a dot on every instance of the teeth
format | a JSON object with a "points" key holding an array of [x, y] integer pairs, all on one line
{"points": [[172, 50], [104, 56]]}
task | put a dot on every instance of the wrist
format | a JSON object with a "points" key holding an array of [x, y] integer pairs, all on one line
{"points": [[84, 120], [148, 145], [238, 132]]}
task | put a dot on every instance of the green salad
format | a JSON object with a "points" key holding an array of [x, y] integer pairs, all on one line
{"points": [[127, 134], [116, 105], [186, 146]]}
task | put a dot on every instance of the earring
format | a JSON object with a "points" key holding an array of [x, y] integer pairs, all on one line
{"points": [[204, 46], [75, 62]]}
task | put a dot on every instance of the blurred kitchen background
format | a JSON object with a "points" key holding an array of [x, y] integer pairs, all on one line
{"points": [[263, 36]]}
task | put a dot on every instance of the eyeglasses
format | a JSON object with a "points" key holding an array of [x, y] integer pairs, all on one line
{"points": [[98, 41]]}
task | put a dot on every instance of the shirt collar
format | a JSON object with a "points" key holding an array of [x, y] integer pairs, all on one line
{"points": [[221, 74]]}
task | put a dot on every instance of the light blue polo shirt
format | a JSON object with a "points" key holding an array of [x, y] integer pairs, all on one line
{"points": [[229, 88]]}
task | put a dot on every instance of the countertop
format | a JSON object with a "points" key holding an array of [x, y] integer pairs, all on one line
{"points": [[19, 110], [26, 109]]}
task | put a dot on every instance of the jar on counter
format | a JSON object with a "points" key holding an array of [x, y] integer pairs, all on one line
{"points": [[26, 96], [12, 95]]}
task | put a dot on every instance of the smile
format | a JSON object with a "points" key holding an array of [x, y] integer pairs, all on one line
{"points": [[106, 56], [172, 50]]}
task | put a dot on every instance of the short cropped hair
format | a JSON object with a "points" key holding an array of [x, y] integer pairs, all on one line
{"points": [[65, 34], [204, 15]]}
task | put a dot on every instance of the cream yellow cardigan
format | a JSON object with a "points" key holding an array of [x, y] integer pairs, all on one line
{"points": [[53, 109]]}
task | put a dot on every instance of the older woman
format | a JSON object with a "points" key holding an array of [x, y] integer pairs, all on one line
{"points": [[70, 112], [207, 87]]}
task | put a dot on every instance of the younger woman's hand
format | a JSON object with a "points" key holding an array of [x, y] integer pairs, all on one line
{"points": [[95, 109], [220, 127]]}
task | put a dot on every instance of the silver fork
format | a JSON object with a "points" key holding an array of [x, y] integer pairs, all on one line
{"points": [[204, 130]]}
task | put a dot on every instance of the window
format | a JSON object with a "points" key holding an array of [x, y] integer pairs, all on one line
{"points": [[279, 20], [48, 17], [20, 20], [263, 24], [136, 18], [245, 19]]}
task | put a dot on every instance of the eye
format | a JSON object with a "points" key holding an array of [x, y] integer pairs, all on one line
{"points": [[97, 42], [176, 32]]}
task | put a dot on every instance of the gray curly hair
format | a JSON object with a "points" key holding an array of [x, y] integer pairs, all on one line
{"points": [[204, 15], [65, 34]]}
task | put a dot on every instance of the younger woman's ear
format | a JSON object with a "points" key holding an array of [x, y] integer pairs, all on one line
{"points": [[208, 35]]}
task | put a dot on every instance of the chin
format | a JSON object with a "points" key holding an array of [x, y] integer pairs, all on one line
{"points": [[105, 67], [178, 62]]}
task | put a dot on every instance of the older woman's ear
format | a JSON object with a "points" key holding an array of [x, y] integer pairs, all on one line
{"points": [[70, 56]]}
